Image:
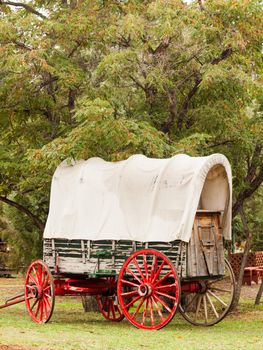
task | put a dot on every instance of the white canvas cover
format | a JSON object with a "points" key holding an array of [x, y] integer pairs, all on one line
{"points": [[141, 199]]}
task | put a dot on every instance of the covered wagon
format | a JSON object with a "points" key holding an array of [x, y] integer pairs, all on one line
{"points": [[146, 236]]}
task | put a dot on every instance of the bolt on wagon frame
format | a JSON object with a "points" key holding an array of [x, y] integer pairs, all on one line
{"points": [[144, 281]]}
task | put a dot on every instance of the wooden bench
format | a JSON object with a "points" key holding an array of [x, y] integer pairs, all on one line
{"points": [[252, 274]]}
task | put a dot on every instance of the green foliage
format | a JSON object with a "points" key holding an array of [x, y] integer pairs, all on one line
{"points": [[105, 78]]}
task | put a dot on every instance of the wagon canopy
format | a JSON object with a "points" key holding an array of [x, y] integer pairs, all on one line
{"points": [[141, 199]]}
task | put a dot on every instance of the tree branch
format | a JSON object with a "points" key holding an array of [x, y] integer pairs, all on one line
{"points": [[172, 109], [224, 55], [247, 192], [186, 102], [137, 83], [25, 6], [37, 222], [221, 143], [180, 115]]}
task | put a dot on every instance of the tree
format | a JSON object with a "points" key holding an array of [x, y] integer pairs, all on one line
{"points": [[112, 78]]}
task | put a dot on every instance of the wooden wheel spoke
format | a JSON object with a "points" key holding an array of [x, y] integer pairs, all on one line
{"points": [[191, 302], [158, 309], [221, 289], [34, 270], [47, 301], [163, 303], [104, 303], [166, 286], [45, 280], [134, 275], [166, 295], [118, 308], [41, 310], [198, 306], [158, 271], [145, 266], [34, 304], [151, 312], [113, 309], [163, 278], [135, 262], [212, 305], [138, 308], [154, 266], [108, 307], [47, 288], [144, 314], [217, 280], [39, 274], [38, 307], [48, 295], [217, 298], [129, 283], [129, 294], [132, 302], [205, 308], [33, 279], [45, 308]]}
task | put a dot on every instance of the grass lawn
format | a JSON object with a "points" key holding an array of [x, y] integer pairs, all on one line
{"points": [[71, 328]]}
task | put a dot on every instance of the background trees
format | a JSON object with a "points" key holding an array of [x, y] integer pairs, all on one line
{"points": [[112, 78]]}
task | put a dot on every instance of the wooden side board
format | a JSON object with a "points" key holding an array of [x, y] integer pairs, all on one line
{"points": [[104, 257], [202, 257]]}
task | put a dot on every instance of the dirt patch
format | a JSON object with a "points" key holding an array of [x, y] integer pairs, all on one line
{"points": [[250, 292], [11, 347]]}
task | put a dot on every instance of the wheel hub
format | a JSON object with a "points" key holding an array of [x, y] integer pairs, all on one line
{"points": [[203, 287], [34, 291], [145, 290], [39, 292]]}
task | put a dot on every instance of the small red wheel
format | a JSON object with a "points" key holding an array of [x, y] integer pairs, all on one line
{"points": [[108, 304], [148, 289], [39, 292]]}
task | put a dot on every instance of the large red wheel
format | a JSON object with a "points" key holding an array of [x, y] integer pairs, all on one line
{"points": [[108, 304], [39, 292], [148, 289]]}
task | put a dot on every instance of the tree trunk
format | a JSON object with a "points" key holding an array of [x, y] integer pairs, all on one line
{"points": [[89, 303], [244, 259]]}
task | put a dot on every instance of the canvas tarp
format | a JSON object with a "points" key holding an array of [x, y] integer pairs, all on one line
{"points": [[141, 199]]}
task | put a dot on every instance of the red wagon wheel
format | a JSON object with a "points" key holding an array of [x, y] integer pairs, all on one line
{"points": [[148, 289], [109, 305], [39, 292]]}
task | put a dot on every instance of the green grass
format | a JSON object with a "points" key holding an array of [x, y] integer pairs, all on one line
{"points": [[71, 328]]}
